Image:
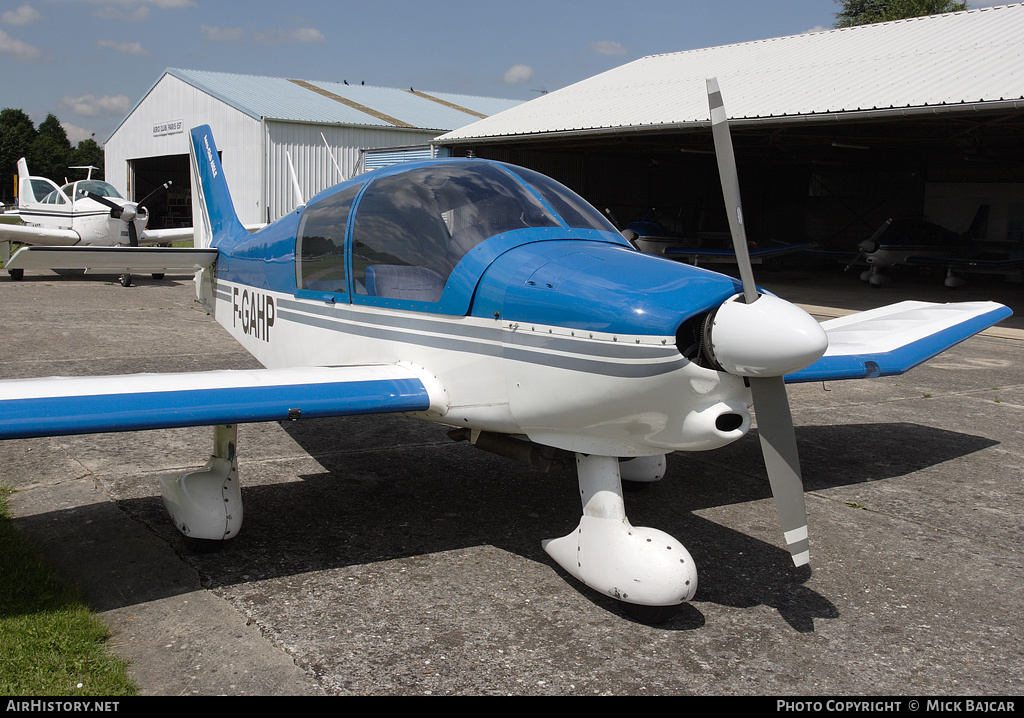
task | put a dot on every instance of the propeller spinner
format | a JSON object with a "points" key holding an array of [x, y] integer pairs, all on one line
{"points": [[128, 211], [762, 338]]}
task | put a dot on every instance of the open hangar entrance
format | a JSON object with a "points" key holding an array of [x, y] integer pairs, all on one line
{"points": [[805, 179], [170, 208]]}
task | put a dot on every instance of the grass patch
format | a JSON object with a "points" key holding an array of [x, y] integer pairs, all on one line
{"points": [[50, 643]]}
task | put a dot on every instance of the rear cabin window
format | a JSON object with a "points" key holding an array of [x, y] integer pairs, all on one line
{"points": [[320, 243], [412, 229]]}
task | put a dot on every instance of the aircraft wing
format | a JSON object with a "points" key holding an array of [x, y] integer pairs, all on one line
{"points": [[58, 406], [180, 234], [728, 255], [166, 236], [37, 235], [114, 260], [966, 264], [891, 340]]}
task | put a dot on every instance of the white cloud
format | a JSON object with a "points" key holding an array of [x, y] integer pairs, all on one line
{"points": [[89, 105], [608, 47], [20, 50], [128, 48], [283, 37], [75, 133], [24, 15], [135, 10], [517, 73], [124, 14], [222, 34]]}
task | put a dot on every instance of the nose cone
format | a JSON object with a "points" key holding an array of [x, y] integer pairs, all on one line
{"points": [[769, 337]]}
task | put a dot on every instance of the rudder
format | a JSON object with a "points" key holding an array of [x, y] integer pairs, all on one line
{"points": [[213, 212]]}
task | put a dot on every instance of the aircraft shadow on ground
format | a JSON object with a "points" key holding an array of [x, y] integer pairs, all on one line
{"points": [[375, 505]]}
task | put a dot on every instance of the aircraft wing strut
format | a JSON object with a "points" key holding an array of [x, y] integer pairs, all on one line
{"points": [[894, 339]]}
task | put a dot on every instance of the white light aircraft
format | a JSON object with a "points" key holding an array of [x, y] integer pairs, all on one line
{"points": [[492, 299], [87, 212]]}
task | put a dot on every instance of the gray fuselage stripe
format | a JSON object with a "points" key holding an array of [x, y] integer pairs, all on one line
{"points": [[601, 358]]}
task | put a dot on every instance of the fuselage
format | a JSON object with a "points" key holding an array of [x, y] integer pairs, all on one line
{"points": [[565, 334], [68, 208]]}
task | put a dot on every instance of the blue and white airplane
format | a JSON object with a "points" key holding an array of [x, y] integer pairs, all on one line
{"points": [[492, 299]]}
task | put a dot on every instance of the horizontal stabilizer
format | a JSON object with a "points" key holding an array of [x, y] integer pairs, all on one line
{"points": [[115, 260], [891, 340], [58, 406]]}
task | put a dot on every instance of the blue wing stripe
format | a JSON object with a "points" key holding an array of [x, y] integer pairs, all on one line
{"points": [[898, 361], [64, 415]]}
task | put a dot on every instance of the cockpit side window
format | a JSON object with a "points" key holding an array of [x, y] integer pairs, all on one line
{"points": [[320, 243], [49, 196], [412, 229]]}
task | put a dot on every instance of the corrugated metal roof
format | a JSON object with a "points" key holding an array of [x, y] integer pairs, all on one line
{"points": [[957, 59], [285, 99]]}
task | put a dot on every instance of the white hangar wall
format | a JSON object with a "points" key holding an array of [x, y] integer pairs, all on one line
{"points": [[142, 135], [311, 146], [258, 124]]}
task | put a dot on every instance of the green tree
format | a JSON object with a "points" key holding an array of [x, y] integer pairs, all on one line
{"points": [[87, 154], [50, 153], [865, 12], [47, 150], [17, 131]]}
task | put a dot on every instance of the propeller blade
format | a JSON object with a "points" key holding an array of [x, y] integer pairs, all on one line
{"points": [[771, 404], [149, 196], [730, 187], [778, 446], [103, 200]]}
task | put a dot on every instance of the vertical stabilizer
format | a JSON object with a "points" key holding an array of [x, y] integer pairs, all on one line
{"points": [[26, 195], [979, 223], [213, 213]]}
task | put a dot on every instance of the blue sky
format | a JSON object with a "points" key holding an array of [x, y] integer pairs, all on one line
{"points": [[89, 61]]}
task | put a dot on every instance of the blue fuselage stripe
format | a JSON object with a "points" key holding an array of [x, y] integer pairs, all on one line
{"points": [[58, 416]]}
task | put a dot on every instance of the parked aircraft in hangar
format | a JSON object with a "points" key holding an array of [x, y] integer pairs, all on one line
{"points": [[919, 243], [490, 298]]}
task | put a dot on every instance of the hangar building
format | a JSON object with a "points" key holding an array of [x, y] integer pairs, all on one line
{"points": [[835, 132], [258, 123]]}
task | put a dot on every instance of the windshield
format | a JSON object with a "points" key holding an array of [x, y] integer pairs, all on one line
{"points": [[574, 210], [97, 187]]}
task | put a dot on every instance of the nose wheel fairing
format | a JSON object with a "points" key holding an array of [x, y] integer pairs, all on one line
{"points": [[633, 564]]}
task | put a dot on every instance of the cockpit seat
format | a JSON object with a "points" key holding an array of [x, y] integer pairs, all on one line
{"points": [[396, 281]]}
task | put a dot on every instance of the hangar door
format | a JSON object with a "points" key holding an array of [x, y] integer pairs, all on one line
{"points": [[168, 208]]}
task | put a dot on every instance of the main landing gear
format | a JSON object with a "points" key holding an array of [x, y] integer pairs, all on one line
{"points": [[645, 569], [206, 504], [650, 572]]}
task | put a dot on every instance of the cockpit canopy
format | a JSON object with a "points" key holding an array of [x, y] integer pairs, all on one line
{"points": [[42, 187], [97, 187], [411, 229]]}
